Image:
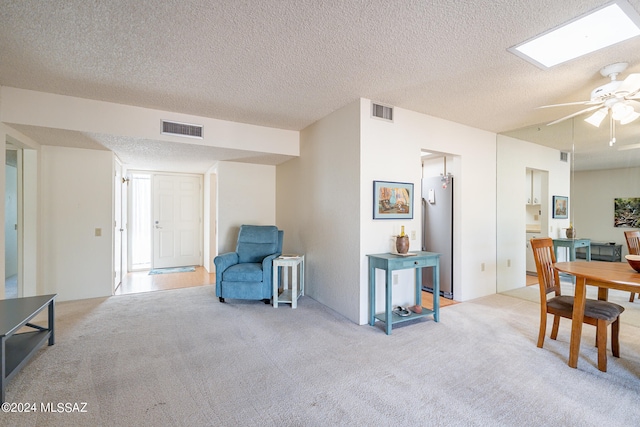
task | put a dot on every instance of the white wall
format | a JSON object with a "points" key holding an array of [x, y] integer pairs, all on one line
{"points": [[28, 107], [76, 199], [325, 201], [514, 156], [592, 198], [391, 151], [11, 218], [28, 270], [248, 190], [246, 194], [30, 221], [210, 249], [319, 209], [387, 154], [436, 166]]}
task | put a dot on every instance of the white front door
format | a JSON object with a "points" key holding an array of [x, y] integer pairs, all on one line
{"points": [[176, 220]]}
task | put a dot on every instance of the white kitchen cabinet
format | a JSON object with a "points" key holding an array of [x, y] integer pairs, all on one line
{"points": [[534, 187]]}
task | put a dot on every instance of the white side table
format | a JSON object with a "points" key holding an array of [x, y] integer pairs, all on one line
{"points": [[285, 262]]}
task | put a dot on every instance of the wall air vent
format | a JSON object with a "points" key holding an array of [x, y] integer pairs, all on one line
{"points": [[181, 129], [382, 112], [564, 156]]}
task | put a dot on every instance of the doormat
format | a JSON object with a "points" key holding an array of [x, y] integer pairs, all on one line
{"points": [[172, 270]]}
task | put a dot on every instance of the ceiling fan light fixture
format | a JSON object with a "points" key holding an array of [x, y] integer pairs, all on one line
{"points": [[596, 118], [631, 117], [621, 111]]}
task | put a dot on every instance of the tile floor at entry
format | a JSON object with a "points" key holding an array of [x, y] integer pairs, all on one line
{"points": [[142, 281]]}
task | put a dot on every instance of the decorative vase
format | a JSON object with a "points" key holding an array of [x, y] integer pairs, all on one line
{"points": [[402, 244], [571, 233]]}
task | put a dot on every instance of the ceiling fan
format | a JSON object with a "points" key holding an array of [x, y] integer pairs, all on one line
{"points": [[616, 99]]}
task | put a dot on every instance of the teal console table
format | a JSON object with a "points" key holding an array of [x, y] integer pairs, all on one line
{"points": [[602, 252], [572, 244], [390, 262]]}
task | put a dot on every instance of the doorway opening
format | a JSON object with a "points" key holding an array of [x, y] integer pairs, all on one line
{"points": [[164, 230], [536, 193], [438, 231], [12, 288]]}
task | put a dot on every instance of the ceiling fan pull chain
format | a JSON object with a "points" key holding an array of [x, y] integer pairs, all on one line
{"points": [[612, 130]]}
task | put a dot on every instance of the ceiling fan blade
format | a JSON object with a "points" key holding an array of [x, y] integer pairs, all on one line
{"points": [[628, 147], [595, 107], [568, 103], [631, 84], [596, 118]]}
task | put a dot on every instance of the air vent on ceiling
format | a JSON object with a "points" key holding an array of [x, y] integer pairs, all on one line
{"points": [[564, 156], [382, 111], [181, 129]]}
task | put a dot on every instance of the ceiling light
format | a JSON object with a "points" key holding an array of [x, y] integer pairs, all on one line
{"points": [[621, 111], [631, 117], [604, 27]]}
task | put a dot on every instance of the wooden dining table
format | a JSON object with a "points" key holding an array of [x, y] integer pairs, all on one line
{"points": [[604, 275]]}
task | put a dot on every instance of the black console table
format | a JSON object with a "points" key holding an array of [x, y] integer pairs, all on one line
{"points": [[18, 348], [602, 252]]}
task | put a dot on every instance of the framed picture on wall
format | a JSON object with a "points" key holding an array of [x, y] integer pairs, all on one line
{"points": [[560, 207], [626, 212], [392, 200]]}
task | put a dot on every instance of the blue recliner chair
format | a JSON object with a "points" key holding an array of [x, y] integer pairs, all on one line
{"points": [[247, 273]]}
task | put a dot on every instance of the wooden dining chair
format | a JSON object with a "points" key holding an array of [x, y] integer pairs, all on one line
{"points": [[598, 313], [633, 244]]}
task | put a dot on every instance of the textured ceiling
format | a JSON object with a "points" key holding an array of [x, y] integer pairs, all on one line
{"points": [[286, 64]]}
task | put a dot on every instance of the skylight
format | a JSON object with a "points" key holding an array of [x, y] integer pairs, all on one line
{"points": [[604, 27]]}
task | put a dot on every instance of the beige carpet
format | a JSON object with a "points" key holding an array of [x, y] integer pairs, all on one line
{"points": [[181, 358]]}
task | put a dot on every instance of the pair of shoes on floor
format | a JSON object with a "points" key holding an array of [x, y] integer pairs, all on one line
{"points": [[401, 311]]}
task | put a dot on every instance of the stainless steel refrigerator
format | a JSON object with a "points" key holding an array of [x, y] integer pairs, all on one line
{"points": [[437, 231]]}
